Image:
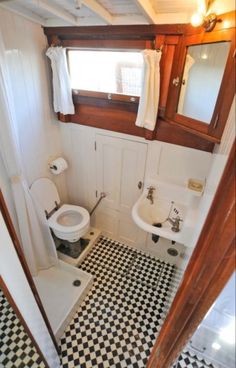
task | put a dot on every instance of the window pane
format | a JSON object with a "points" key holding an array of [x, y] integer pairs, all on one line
{"points": [[106, 71]]}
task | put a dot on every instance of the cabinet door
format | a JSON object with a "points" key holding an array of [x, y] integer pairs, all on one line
{"points": [[202, 83], [120, 168], [133, 156]]}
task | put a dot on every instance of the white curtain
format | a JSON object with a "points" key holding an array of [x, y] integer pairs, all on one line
{"points": [[62, 92], [188, 65], [149, 99], [38, 246]]}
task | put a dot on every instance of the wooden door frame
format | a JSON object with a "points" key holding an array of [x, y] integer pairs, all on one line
{"points": [[12, 303], [210, 267], [19, 251]]}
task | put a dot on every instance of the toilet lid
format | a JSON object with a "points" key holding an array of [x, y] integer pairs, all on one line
{"points": [[45, 193]]}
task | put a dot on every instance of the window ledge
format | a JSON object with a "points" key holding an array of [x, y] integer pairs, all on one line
{"points": [[106, 96]]}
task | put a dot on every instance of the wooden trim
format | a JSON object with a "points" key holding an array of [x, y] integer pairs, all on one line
{"points": [[19, 251], [105, 44], [97, 111], [12, 303], [211, 265], [195, 132], [123, 32]]}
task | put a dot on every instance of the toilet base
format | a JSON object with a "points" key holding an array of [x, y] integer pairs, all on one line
{"points": [[79, 249], [74, 249]]}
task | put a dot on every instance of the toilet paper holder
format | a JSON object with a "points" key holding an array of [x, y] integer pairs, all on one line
{"points": [[58, 165], [53, 167]]}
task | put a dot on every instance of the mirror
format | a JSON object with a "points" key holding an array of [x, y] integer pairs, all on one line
{"points": [[203, 73], [16, 347], [213, 343]]}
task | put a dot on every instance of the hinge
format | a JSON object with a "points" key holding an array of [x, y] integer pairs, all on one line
{"points": [[96, 193], [95, 146]]}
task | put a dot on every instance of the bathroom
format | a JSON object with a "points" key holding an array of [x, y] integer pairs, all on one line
{"points": [[112, 157]]}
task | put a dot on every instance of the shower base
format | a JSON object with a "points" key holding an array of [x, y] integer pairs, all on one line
{"points": [[60, 294]]}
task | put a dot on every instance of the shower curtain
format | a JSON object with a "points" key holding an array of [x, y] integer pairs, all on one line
{"points": [[36, 239]]}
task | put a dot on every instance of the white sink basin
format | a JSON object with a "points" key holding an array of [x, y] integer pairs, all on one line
{"points": [[168, 202]]}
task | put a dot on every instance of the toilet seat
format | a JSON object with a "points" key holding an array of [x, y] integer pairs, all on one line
{"points": [[70, 211], [68, 222]]}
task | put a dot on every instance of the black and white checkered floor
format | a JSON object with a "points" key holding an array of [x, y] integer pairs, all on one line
{"points": [[189, 359], [16, 348], [118, 322]]}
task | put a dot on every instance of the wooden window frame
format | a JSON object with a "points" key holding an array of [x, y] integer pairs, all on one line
{"points": [[120, 116]]}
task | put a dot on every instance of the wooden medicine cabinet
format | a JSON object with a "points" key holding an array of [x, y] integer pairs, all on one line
{"points": [[201, 88]]}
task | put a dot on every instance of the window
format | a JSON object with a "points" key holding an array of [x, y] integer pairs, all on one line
{"points": [[110, 72]]}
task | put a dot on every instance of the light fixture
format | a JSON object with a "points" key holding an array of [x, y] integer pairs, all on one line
{"points": [[207, 21], [197, 19], [202, 17], [216, 346]]}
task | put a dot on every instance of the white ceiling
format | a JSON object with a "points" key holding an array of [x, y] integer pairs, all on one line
{"points": [[101, 12]]}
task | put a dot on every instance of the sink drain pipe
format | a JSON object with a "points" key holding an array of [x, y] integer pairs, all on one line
{"points": [[155, 237], [102, 195]]}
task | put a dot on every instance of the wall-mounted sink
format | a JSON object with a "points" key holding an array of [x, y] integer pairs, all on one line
{"points": [[170, 204]]}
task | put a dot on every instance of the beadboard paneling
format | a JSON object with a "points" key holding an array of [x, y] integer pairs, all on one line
{"points": [[37, 125]]}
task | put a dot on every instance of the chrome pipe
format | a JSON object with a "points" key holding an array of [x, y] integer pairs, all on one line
{"points": [[102, 195]]}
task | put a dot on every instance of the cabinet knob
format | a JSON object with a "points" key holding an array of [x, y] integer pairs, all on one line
{"points": [[176, 81], [140, 185]]}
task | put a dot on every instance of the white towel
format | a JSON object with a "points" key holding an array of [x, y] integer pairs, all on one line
{"points": [[62, 92], [149, 99]]}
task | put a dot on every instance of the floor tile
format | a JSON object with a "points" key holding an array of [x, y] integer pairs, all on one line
{"points": [[118, 322]]}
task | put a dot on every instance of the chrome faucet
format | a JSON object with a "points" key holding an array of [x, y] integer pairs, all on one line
{"points": [[175, 223], [150, 194]]}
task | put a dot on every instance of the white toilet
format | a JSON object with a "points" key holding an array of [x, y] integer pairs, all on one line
{"points": [[68, 222]]}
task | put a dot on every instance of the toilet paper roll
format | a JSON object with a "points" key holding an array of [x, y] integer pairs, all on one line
{"points": [[58, 166]]}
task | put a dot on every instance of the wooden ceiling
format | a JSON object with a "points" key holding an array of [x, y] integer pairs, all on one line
{"points": [[111, 12]]}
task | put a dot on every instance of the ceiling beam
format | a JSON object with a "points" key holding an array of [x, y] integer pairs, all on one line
{"points": [[57, 11], [146, 7], [99, 10], [33, 17]]}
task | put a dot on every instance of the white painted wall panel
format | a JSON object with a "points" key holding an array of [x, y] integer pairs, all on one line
{"points": [[164, 162], [39, 131]]}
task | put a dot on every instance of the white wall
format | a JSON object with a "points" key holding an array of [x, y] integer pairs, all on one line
{"points": [[165, 162], [14, 277], [38, 129], [219, 159]]}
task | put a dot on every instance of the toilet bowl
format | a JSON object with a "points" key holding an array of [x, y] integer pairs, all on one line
{"points": [[68, 222]]}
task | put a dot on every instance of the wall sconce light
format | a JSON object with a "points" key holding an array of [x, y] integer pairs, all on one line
{"points": [[203, 17], [207, 21]]}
